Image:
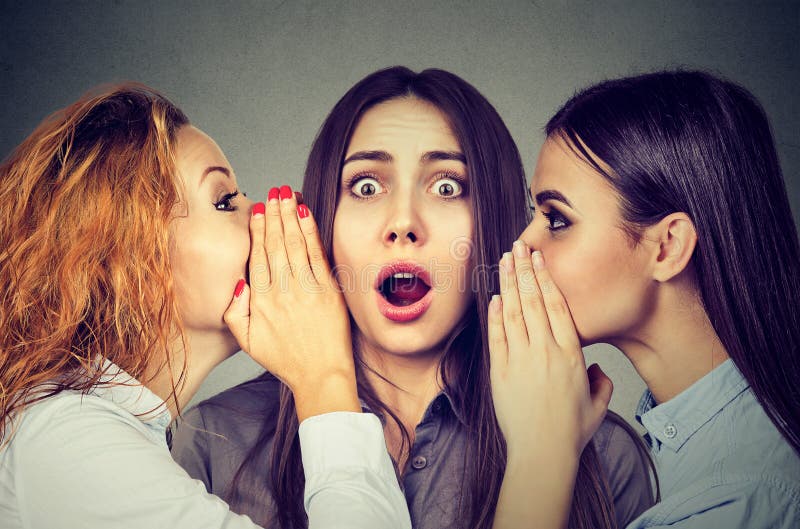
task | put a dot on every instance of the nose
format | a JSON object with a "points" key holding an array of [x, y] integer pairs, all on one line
{"points": [[404, 226], [532, 236]]}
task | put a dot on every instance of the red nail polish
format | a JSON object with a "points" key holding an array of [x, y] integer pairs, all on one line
{"points": [[259, 208], [239, 288], [274, 193], [302, 210], [286, 192]]}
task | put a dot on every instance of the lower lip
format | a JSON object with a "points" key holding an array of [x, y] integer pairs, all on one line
{"points": [[406, 313]]}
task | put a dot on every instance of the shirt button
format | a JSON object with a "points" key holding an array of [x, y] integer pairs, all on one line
{"points": [[419, 462], [670, 431]]}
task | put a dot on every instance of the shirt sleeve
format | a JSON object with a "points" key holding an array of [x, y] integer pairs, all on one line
{"points": [[190, 446], [628, 473], [350, 479], [85, 465]]}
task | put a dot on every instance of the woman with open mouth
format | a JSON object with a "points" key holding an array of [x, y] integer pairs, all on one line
{"points": [[417, 187]]}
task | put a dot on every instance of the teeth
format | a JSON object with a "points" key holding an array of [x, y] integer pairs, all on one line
{"points": [[403, 275]]}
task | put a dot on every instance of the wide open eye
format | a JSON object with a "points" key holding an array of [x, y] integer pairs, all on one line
{"points": [[365, 187], [448, 187]]}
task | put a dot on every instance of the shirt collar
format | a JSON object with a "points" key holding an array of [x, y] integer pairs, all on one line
{"points": [[117, 386], [672, 423], [438, 406]]}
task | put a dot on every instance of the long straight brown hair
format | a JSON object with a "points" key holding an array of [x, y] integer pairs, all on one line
{"points": [[498, 193]]}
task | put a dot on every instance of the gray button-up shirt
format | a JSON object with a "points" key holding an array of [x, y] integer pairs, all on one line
{"points": [[720, 460], [213, 439]]}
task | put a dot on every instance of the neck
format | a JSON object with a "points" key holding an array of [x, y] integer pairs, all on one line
{"points": [[405, 383], [203, 352], [677, 345]]}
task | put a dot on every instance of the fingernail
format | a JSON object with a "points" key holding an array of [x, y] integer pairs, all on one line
{"points": [[507, 262], [494, 304], [239, 288], [259, 208], [274, 193], [520, 250], [302, 210], [538, 260], [286, 192]]}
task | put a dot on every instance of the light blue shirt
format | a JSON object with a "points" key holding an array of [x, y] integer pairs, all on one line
{"points": [[721, 462], [100, 461]]}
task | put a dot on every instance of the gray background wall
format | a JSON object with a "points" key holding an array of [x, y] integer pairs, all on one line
{"points": [[260, 77]]}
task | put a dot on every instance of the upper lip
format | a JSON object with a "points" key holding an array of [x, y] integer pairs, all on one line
{"points": [[395, 267]]}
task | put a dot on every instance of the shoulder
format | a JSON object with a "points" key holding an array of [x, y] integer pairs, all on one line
{"points": [[623, 457], [736, 503], [230, 421]]}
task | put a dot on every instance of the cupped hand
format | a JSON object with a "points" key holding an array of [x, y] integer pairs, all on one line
{"points": [[292, 318], [540, 385]]}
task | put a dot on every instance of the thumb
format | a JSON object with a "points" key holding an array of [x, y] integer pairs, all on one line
{"points": [[600, 389], [237, 316]]}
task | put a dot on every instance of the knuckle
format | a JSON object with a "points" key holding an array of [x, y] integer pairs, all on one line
{"points": [[274, 243], [513, 315], [293, 242]]}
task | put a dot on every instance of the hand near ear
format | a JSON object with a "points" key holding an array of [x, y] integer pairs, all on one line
{"points": [[292, 318]]}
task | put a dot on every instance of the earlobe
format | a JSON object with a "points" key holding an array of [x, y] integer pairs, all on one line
{"points": [[677, 240]]}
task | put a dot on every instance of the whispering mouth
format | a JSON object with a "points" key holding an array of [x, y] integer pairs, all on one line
{"points": [[402, 289]]}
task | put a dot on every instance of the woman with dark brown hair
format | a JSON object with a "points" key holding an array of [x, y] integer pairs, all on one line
{"points": [[417, 186], [122, 235], [662, 227]]}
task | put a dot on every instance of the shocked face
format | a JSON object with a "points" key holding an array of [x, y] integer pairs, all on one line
{"points": [[402, 224]]}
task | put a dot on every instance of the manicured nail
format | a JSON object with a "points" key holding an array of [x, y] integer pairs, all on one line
{"points": [[286, 192], [239, 288], [507, 262], [259, 208], [494, 304], [302, 210], [274, 194], [520, 250], [538, 260]]}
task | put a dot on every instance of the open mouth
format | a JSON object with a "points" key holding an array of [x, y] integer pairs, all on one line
{"points": [[404, 291]]}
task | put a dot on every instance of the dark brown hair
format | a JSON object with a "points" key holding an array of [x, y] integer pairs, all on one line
{"points": [[689, 141]]}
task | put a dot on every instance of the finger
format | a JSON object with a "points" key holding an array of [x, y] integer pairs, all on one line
{"points": [[316, 252], [600, 389], [561, 323], [530, 298], [293, 238], [237, 315], [258, 264], [513, 320], [498, 347], [274, 243]]}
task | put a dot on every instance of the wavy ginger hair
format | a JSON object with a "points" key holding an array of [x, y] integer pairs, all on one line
{"points": [[84, 262]]}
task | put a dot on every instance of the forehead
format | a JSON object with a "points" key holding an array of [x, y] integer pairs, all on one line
{"points": [[195, 151], [559, 168], [405, 123]]}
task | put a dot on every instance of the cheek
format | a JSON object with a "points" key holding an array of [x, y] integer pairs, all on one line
{"points": [[595, 278], [206, 269]]}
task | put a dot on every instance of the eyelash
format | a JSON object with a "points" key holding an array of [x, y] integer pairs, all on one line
{"points": [[555, 216], [226, 199], [350, 183]]}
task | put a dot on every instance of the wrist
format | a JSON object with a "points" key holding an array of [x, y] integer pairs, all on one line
{"points": [[325, 394]]}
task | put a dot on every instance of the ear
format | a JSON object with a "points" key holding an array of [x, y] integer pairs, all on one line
{"points": [[676, 240]]}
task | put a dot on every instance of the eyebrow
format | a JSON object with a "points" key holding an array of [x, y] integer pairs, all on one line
{"points": [[223, 170], [551, 194], [383, 156]]}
